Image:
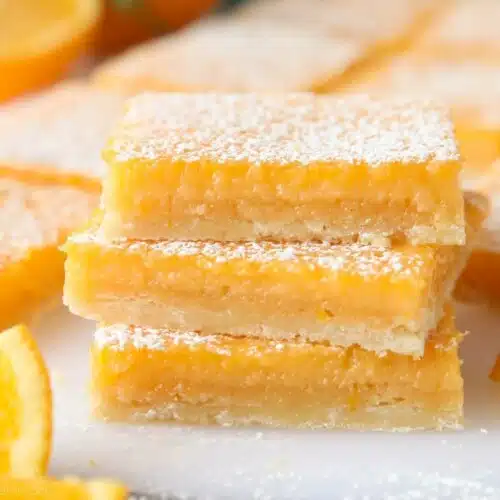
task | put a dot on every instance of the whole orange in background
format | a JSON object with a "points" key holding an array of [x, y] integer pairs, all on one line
{"points": [[126, 22], [41, 39]]}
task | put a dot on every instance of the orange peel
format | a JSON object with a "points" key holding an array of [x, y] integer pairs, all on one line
{"points": [[26, 403]]}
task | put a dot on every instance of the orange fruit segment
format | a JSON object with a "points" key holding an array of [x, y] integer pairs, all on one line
{"points": [[67, 489], [25, 406], [40, 39]]}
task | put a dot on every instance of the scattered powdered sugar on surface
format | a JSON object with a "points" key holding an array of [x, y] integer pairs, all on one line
{"points": [[64, 129], [292, 129], [363, 260], [230, 57], [32, 216], [437, 486]]}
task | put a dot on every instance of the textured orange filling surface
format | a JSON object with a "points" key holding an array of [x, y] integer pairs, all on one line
{"points": [[34, 220], [171, 150], [140, 368]]}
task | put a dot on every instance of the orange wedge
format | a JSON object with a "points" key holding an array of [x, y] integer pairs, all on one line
{"points": [[67, 489], [25, 406], [40, 39]]}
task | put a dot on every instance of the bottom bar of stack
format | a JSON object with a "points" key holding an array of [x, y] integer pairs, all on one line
{"points": [[144, 374]]}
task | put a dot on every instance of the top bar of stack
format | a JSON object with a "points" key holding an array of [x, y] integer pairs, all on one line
{"points": [[283, 167]]}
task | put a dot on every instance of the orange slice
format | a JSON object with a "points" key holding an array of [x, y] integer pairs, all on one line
{"points": [[40, 39], [25, 405], [67, 489]]}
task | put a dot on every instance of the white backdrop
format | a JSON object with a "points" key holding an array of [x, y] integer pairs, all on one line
{"points": [[260, 464]]}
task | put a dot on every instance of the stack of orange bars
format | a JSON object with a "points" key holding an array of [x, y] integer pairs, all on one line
{"points": [[283, 260]]}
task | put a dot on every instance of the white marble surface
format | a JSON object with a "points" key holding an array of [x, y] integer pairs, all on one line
{"points": [[258, 464]]}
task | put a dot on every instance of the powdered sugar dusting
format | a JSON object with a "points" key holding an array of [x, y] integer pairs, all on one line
{"points": [[63, 129], [120, 336], [299, 129], [32, 216], [362, 260]]}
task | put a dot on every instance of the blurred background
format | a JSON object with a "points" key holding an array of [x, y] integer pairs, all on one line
{"points": [[66, 67], [43, 41], [445, 49], [126, 22]]}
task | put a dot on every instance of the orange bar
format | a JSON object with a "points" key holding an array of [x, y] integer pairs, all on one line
{"points": [[58, 135], [380, 298], [34, 220], [141, 374], [289, 167]]}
